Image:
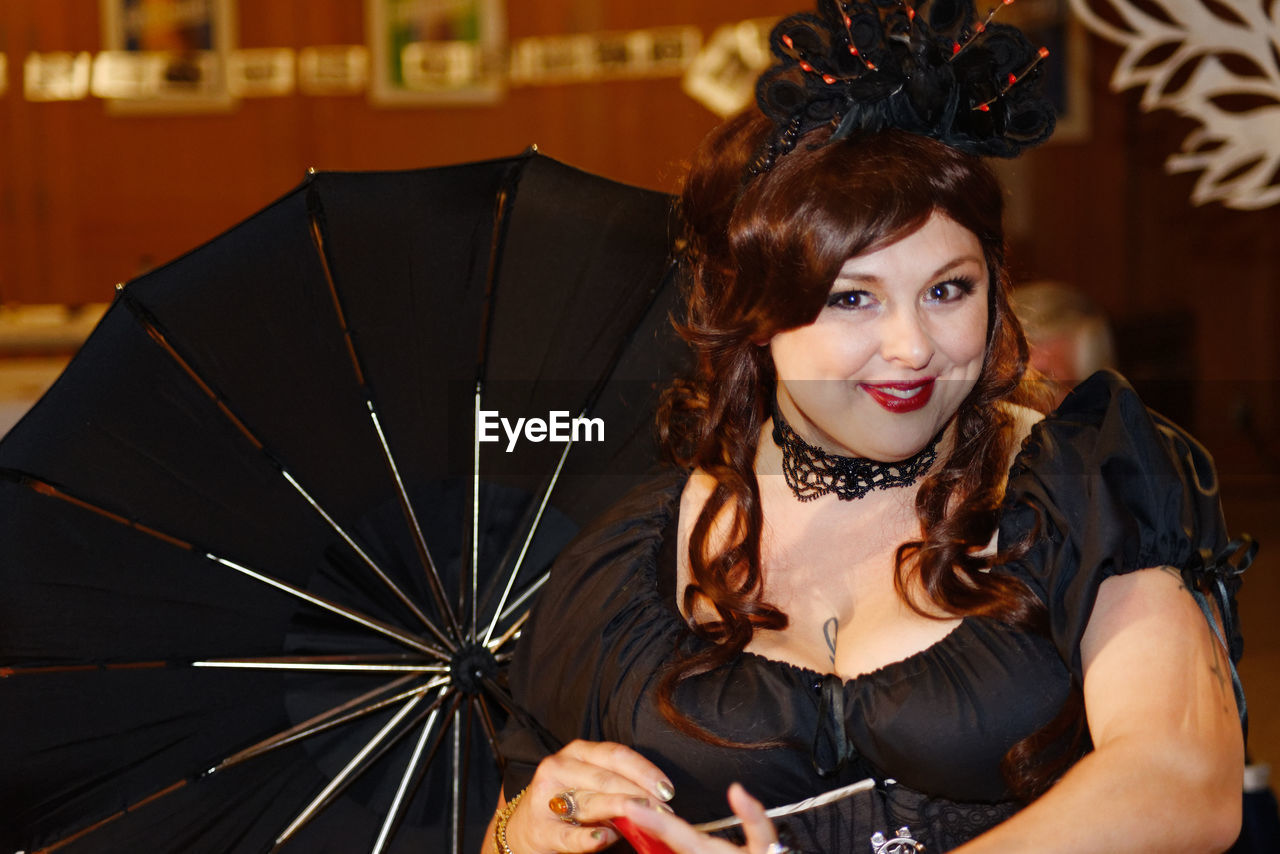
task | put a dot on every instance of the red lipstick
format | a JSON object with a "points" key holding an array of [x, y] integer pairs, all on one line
{"points": [[901, 397]]}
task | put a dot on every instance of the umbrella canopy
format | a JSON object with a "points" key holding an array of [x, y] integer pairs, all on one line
{"points": [[269, 539]]}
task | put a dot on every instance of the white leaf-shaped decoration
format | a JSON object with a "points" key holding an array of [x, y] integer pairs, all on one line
{"points": [[1236, 152]]}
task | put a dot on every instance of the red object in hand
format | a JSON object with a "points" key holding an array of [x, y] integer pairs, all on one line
{"points": [[640, 840]]}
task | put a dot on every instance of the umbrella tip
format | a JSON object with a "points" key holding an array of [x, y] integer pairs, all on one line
{"points": [[532, 149], [311, 170], [119, 287]]}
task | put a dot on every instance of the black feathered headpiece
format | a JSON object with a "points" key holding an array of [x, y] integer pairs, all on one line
{"points": [[928, 67]]}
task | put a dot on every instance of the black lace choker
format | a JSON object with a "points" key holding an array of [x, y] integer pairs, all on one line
{"points": [[812, 472]]}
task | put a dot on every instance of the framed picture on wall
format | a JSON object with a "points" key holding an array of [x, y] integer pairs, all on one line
{"points": [[165, 55], [436, 51]]}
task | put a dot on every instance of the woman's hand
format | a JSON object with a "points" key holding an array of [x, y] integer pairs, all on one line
{"points": [[681, 837], [602, 778]]}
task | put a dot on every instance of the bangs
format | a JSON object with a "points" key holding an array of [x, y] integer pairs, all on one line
{"points": [[823, 203]]}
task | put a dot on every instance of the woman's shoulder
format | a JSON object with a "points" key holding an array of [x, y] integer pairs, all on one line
{"points": [[608, 573], [1102, 428], [1104, 486]]}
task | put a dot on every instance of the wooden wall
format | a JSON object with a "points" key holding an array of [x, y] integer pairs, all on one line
{"points": [[88, 199]]}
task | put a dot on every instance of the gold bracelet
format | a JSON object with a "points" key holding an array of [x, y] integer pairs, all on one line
{"points": [[500, 826]]}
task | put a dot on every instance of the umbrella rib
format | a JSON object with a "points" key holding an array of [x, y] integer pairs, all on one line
{"points": [[455, 806], [430, 752], [592, 397], [382, 576], [528, 540], [376, 625], [148, 323], [354, 765], [490, 731], [47, 489], [526, 595], [282, 664], [365, 704], [503, 201], [318, 240], [511, 632], [475, 508], [83, 832], [6, 672], [435, 746], [419, 541], [410, 771], [311, 727]]}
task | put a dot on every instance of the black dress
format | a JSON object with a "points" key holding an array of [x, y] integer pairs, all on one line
{"points": [[1114, 487]]}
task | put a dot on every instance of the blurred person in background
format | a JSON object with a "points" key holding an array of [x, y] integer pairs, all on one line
{"points": [[1068, 333]]}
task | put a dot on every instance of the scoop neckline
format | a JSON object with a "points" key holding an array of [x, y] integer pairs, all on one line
{"points": [[1029, 448], [669, 524], [878, 674]]}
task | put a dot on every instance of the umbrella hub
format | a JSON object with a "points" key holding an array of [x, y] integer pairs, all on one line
{"points": [[471, 665]]}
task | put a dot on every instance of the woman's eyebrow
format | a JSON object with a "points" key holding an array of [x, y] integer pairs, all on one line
{"points": [[872, 278]]}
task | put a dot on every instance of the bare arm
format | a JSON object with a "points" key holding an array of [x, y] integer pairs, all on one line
{"points": [[1167, 767]]}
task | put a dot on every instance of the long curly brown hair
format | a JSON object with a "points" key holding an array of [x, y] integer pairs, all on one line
{"points": [[761, 257]]}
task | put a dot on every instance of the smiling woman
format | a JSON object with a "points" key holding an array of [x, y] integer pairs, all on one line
{"points": [[877, 559]]}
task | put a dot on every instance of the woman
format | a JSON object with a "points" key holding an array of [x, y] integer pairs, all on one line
{"points": [[877, 559]]}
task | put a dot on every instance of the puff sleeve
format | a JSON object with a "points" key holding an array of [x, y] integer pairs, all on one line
{"points": [[597, 637], [1108, 487]]}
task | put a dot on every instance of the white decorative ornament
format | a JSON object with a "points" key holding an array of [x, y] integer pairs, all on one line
{"points": [[1237, 152], [722, 77]]}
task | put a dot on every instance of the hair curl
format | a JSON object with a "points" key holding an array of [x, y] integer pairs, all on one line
{"points": [[761, 257]]}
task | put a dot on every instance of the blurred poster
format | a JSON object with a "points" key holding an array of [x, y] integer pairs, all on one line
{"points": [[585, 57], [340, 69], [164, 55], [436, 51], [56, 76]]}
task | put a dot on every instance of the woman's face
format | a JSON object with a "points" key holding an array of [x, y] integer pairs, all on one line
{"points": [[895, 350]]}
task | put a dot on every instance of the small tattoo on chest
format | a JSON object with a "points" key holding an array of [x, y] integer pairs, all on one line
{"points": [[829, 630]]}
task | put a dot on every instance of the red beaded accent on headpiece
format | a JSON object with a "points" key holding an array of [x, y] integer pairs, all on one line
{"points": [[956, 49], [911, 57], [1040, 57]]}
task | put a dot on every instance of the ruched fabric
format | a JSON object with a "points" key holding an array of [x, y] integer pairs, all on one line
{"points": [[1114, 487], [1105, 486]]}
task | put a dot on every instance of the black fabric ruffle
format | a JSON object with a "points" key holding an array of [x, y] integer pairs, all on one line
{"points": [[1113, 487]]}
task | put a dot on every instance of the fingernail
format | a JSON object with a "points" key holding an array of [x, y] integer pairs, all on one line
{"points": [[665, 790], [644, 802], [597, 835], [666, 809]]}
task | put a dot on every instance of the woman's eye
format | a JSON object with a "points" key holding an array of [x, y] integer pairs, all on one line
{"points": [[948, 291], [849, 299]]}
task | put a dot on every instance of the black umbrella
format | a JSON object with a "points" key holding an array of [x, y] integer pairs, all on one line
{"points": [[260, 574]]}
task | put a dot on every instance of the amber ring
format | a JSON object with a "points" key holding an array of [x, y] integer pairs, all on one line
{"points": [[565, 807]]}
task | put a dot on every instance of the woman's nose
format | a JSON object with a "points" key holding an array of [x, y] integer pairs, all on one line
{"points": [[905, 340]]}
